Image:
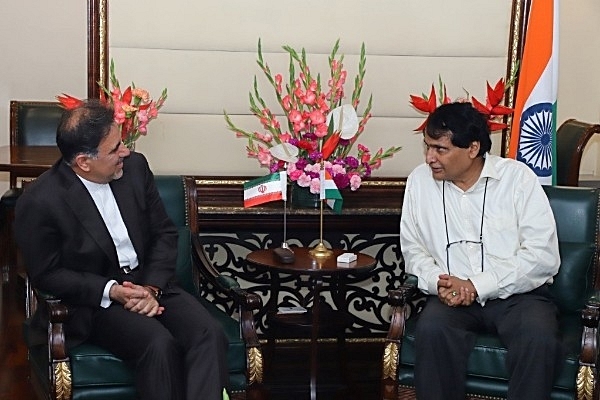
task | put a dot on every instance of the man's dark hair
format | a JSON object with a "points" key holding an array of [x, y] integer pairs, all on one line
{"points": [[462, 123], [81, 129]]}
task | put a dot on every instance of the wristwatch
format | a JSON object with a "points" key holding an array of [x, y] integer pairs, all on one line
{"points": [[157, 293]]}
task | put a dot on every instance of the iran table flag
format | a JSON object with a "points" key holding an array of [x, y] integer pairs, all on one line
{"points": [[265, 189]]}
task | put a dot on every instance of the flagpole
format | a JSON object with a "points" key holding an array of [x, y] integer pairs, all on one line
{"points": [[284, 244], [320, 250]]}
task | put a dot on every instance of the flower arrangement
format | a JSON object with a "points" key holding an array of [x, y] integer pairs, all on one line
{"points": [[320, 130], [134, 108], [492, 107]]}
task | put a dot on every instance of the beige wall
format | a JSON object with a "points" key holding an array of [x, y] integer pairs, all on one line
{"points": [[44, 53]]}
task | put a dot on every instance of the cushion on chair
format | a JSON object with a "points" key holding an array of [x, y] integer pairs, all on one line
{"points": [[486, 367]]}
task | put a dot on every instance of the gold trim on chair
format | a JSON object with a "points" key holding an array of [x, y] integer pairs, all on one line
{"points": [[62, 381], [585, 383], [390, 360], [255, 365]]}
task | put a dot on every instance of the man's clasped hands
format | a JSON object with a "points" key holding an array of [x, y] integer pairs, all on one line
{"points": [[136, 298], [455, 292]]}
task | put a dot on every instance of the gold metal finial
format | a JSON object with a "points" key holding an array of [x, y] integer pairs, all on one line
{"points": [[320, 251]]}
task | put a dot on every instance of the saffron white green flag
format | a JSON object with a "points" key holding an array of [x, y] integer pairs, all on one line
{"points": [[265, 189], [330, 193], [533, 130]]}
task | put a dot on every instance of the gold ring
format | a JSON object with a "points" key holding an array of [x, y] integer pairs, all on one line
{"points": [[454, 293]]}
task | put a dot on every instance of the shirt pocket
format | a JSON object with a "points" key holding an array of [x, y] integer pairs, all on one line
{"points": [[500, 236]]}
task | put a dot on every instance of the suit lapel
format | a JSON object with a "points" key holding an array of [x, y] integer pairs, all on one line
{"points": [[85, 210]]}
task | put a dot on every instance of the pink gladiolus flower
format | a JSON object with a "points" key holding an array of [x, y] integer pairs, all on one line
{"points": [[264, 156], [309, 98], [119, 114], [286, 102], [295, 117], [285, 137], [143, 117], [316, 117], [321, 130], [278, 80], [153, 111]]}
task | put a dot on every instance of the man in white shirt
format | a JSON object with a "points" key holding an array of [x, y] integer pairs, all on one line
{"points": [[478, 232], [94, 232]]}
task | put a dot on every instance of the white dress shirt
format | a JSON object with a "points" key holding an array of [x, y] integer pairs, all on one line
{"points": [[520, 245], [107, 206]]}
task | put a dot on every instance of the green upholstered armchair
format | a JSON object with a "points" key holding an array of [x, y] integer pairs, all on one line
{"points": [[575, 288], [90, 372], [571, 138]]}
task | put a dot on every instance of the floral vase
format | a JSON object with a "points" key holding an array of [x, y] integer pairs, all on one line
{"points": [[301, 197]]}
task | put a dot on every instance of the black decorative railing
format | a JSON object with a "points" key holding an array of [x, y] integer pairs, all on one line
{"points": [[369, 224]]}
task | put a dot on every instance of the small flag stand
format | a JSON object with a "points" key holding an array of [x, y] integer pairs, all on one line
{"points": [[320, 250]]}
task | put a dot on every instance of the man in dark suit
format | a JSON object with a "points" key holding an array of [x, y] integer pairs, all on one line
{"points": [[94, 232]]}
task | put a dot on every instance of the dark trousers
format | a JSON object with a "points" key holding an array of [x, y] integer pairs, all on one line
{"points": [[525, 323], [178, 355]]}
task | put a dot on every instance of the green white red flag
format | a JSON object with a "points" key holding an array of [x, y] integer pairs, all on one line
{"points": [[265, 189], [533, 131], [330, 193]]}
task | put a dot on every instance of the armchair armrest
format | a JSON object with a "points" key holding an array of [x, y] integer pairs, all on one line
{"points": [[398, 299], [57, 313], [590, 318], [246, 302], [58, 361], [587, 373]]}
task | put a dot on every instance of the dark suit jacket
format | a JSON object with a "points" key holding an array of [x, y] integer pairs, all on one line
{"points": [[67, 249]]}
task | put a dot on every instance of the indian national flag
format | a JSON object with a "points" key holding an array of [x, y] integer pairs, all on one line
{"points": [[533, 130], [330, 193], [266, 188]]}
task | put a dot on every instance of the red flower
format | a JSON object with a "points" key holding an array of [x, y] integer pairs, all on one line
{"points": [[69, 102], [492, 108]]}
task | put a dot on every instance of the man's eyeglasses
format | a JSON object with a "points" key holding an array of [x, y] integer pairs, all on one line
{"points": [[449, 244], [463, 242]]}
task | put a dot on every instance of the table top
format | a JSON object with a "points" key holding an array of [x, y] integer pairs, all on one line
{"points": [[305, 264], [38, 157]]}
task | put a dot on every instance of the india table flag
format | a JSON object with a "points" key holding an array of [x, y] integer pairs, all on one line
{"points": [[265, 189], [330, 193], [533, 130]]}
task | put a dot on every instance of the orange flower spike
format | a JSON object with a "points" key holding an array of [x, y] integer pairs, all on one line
{"points": [[127, 95], [495, 95], [424, 104], [330, 145], [501, 110], [480, 106], [69, 102], [496, 126]]}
